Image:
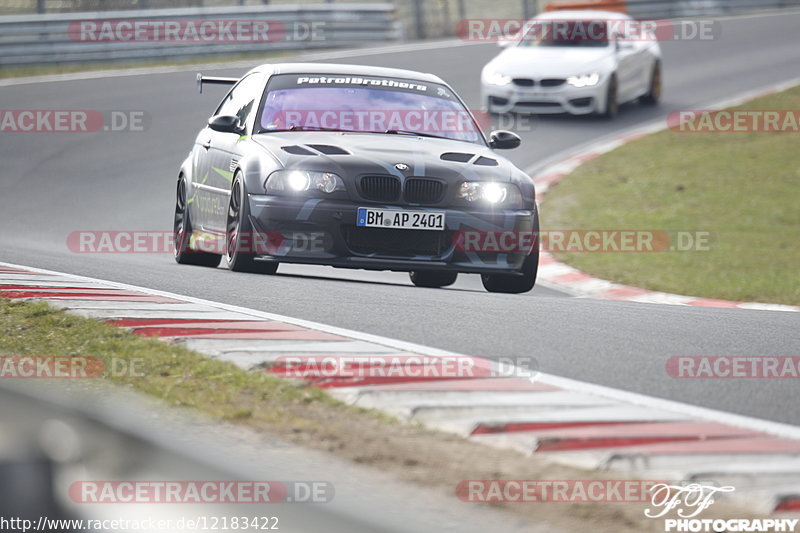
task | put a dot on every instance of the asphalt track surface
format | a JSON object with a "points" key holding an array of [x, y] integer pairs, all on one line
{"points": [[56, 183]]}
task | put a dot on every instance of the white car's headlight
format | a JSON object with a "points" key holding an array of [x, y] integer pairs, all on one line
{"points": [[296, 181], [490, 192], [584, 80], [495, 78]]}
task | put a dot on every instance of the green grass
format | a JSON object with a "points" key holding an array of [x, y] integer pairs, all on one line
{"points": [[742, 187], [177, 375]]}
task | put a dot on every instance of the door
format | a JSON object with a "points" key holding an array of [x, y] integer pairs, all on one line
{"points": [[226, 149]]}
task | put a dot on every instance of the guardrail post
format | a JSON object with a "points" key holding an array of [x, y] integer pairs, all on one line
{"points": [[142, 4], [419, 18], [526, 10], [40, 7], [462, 10]]}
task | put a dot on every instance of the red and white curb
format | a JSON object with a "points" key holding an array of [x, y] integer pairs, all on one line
{"points": [[576, 282], [560, 420]]}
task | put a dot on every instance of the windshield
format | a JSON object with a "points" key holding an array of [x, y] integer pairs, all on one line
{"points": [[574, 33], [376, 105]]}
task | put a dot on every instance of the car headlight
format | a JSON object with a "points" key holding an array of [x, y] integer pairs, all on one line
{"points": [[584, 80], [490, 192], [298, 181], [495, 78]]}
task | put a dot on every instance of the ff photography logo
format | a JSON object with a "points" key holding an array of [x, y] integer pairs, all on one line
{"points": [[692, 499]]}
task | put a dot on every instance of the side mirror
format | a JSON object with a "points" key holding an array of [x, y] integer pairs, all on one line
{"points": [[504, 140], [225, 124]]}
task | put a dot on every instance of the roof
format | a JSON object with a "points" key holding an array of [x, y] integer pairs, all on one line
{"points": [[349, 70]]}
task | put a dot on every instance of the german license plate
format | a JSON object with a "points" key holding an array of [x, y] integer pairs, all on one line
{"points": [[400, 219]]}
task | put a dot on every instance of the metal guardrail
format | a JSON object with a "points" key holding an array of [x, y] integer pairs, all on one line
{"points": [[52, 38], [657, 9], [45, 39], [53, 435]]}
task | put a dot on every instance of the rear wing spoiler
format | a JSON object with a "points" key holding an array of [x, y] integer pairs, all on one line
{"points": [[213, 80]]}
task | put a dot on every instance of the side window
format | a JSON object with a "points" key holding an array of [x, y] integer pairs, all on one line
{"points": [[242, 99]]}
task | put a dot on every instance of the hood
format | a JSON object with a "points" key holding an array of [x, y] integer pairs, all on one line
{"points": [[351, 155], [549, 61]]}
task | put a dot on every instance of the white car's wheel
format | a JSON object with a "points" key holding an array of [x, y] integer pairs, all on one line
{"points": [[653, 95], [612, 104]]}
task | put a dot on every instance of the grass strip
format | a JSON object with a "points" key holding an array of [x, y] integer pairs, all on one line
{"points": [[743, 187]]}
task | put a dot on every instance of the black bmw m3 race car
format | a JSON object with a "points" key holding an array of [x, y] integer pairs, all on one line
{"points": [[355, 167]]}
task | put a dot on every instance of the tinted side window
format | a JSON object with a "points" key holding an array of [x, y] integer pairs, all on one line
{"points": [[243, 99]]}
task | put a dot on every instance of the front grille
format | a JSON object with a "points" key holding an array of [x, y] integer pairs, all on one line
{"points": [[552, 82], [423, 191], [380, 188], [395, 242], [524, 82]]}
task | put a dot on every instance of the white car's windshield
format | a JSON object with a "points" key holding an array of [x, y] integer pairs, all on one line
{"points": [[563, 33], [365, 104]]}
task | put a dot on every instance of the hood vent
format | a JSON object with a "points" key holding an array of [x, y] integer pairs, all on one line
{"points": [[327, 149], [485, 162], [297, 150], [456, 156]]}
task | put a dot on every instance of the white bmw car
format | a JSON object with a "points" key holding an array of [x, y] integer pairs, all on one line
{"points": [[577, 62]]}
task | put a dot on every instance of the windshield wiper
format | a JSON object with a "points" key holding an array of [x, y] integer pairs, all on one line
{"points": [[407, 132]]}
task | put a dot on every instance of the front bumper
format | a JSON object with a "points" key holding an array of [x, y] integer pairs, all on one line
{"points": [[545, 100], [324, 232]]}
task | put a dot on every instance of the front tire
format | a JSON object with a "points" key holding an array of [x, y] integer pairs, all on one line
{"points": [[612, 104], [653, 95], [426, 278], [182, 233], [237, 254], [514, 283]]}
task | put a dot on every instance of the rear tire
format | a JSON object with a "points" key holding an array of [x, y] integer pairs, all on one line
{"points": [[237, 224], [182, 234], [653, 95], [425, 278]]}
